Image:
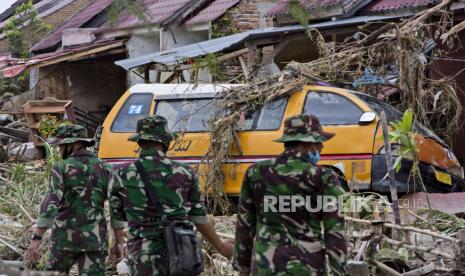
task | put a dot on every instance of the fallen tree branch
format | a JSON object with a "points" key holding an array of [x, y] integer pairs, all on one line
{"points": [[386, 269], [419, 248], [12, 247], [403, 228], [421, 271]]}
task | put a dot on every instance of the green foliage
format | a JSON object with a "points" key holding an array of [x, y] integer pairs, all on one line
{"points": [[223, 26], [211, 63], [13, 86], [136, 7], [49, 124], [299, 13], [403, 135], [364, 202], [449, 224], [23, 29]]}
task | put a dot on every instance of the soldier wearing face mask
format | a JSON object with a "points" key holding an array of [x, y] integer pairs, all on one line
{"points": [[74, 208], [292, 240]]}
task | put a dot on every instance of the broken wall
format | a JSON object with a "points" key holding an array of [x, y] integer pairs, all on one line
{"points": [[94, 85]]}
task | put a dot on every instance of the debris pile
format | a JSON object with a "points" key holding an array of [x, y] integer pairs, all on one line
{"points": [[23, 186], [423, 244], [401, 52]]}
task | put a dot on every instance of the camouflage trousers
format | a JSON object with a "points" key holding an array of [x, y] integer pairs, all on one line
{"points": [[147, 257], [90, 263]]}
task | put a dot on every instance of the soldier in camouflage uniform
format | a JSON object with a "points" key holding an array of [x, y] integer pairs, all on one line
{"points": [[74, 207], [177, 189], [288, 241]]}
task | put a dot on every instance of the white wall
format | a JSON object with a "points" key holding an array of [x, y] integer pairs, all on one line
{"points": [[139, 45], [159, 40]]}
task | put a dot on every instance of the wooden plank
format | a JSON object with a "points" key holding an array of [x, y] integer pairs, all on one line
{"points": [[182, 67], [391, 172], [80, 54], [244, 67], [250, 56]]}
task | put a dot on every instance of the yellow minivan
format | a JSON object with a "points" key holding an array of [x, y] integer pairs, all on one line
{"points": [[356, 152]]}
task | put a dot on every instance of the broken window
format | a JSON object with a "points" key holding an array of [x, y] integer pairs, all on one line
{"points": [[186, 115], [332, 109], [135, 107]]}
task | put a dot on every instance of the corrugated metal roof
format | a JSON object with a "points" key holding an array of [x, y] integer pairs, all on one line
{"points": [[212, 12], [390, 5], [235, 41], [75, 21], [157, 12]]}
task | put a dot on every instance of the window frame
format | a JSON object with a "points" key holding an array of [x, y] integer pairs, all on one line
{"points": [[121, 110], [331, 92], [282, 117], [157, 100]]}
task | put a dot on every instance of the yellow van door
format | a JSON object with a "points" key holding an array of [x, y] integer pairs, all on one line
{"points": [[350, 150]]}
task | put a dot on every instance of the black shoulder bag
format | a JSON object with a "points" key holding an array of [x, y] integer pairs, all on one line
{"points": [[185, 255]]}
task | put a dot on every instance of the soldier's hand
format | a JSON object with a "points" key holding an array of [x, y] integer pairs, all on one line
{"points": [[227, 249], [32, 254]]}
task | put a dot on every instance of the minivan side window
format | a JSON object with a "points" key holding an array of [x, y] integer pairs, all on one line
{"points": [[193, 115], [186, 115], [135, 107], [268, 117], [332, 109]]}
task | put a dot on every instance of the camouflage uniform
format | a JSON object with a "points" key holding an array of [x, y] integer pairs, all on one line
{"points": [[74, 208], [176, 187], [284, 242]]}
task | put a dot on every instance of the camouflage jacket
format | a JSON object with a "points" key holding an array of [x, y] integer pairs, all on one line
{"points": [[74, 206], [177, 189], [287, 241]]}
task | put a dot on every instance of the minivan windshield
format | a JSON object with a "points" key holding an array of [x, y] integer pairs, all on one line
{"points": [[193, 115], [135, 107]]}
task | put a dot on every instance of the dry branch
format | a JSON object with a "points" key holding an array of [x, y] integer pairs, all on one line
{"points": [[419, 248], [403, 228]]}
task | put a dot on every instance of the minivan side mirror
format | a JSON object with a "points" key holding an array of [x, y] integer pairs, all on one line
{"points": [[367, 117]]}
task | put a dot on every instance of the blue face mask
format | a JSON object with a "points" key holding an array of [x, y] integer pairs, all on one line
{"points": [[314, 157]]}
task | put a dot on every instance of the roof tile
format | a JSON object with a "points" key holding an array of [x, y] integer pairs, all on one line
{"points": [[391, 5], [212, 12], [158, 11], [75, 21]]}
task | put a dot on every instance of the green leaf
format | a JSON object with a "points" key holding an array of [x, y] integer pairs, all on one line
{"points": [[407, 120], [397, 164], [403, 252]]}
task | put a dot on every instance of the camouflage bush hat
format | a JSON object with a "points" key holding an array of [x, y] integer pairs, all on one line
{"points": [[153, 128], [68, 134], [304, 128]]}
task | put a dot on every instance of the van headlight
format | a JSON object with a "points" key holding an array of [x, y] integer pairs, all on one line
{"points": [[457, 171], [451, 155]]}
